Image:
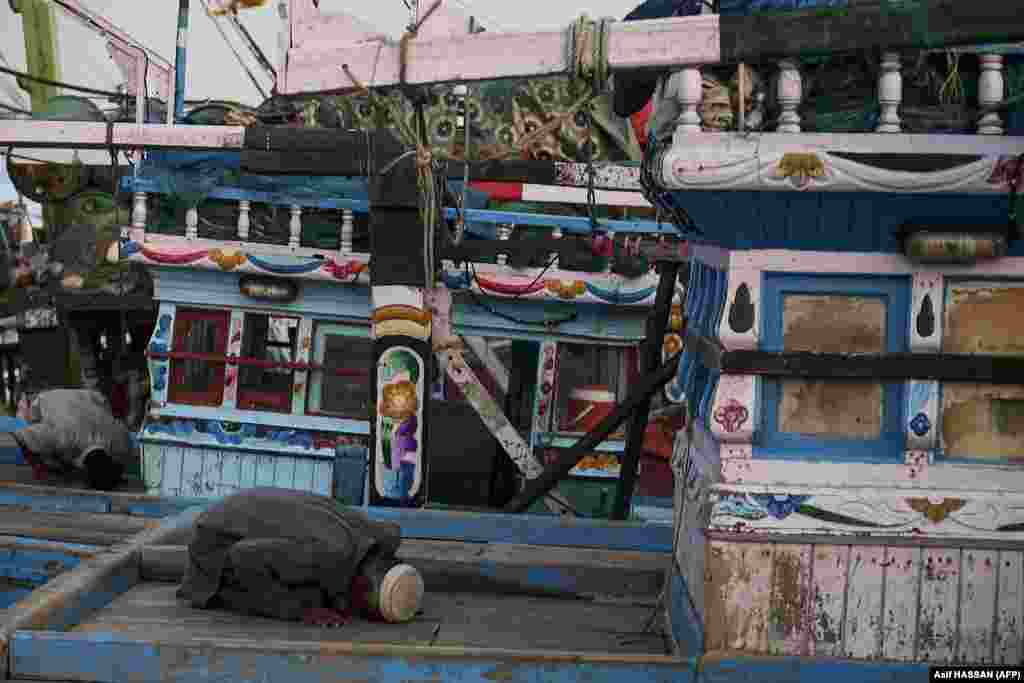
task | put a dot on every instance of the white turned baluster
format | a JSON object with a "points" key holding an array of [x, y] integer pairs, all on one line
{"points": [[138, 213], [556, 234], [990, 93], [347, 230], [790, 92], [295, 227], [890, 94], [243, 219], [687, 86], [192, 223], [504, 233]]}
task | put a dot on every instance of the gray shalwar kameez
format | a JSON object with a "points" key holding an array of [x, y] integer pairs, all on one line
{"points": [[279, 553], [67, 425]]}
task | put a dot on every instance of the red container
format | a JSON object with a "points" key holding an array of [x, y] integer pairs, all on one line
{"points": [[586, 407]]}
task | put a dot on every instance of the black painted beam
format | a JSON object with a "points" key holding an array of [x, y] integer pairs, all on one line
{"points": [[568, 458], [882, 25], [940, 367], [650, 358]]}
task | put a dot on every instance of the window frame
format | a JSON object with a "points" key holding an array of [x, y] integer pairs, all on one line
{"points": [[177, 392], [322, 328], [895, 291], [294, 347]]}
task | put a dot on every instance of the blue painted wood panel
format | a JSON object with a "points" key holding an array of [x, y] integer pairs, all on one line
{"points": [[578, 322], [895, 292], [112, 658], [834, 221], [193, 287]]}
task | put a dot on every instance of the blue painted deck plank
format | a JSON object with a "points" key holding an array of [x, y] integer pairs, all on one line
{"points": [[111, 658], [808, 670], [527, 529], [55, 502], [426, 524], [35, 566], [686, 625]]}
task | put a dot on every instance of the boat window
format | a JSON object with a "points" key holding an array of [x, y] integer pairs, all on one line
{"points": [[341, 385], [590, 380], [983, 422], [845, 419], [199, 378], [264, 379]]}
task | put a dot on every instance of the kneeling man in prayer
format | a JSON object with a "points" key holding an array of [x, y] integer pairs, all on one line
{"points": [[294, 555]]}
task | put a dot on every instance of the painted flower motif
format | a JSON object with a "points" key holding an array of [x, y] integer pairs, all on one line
{"points": [[738, 505], [673, 344], [732, 415], [779, 506], [227, 260], [344, 271], [800, 168], [936, 512], [1006, 170], [566, 289], [920, 425]]}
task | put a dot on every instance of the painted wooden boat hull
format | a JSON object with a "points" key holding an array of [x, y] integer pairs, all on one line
{"points": [[114, 613]]}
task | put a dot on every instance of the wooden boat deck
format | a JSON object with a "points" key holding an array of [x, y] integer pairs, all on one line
{"points": [[150, 611]]}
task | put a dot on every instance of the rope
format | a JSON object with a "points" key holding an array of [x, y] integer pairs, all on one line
{"points": [[588, 52], [238, 57], [58, 84]]}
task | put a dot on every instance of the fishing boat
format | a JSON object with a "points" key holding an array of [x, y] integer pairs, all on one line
{"points": [[831, 515]]}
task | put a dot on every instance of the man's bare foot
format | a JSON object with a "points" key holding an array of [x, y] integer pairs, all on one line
{"points": [[326, 617]]}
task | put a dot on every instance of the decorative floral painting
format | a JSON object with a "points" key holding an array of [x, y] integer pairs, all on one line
{"points": [[399, 424]]}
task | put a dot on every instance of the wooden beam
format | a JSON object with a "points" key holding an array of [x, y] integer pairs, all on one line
{"points": [[568, 459], [657, 323], [884, 367], [660, 43], [67, 599], [501, 566]]}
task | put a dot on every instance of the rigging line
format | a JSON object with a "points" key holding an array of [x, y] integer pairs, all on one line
{"points": [[58, 84], [15, 92], [253, 46], [241, 62], [110, 31], [16, 110]]}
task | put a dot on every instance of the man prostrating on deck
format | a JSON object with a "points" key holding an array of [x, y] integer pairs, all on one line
{"points": [[75, 430], [295, 555]]}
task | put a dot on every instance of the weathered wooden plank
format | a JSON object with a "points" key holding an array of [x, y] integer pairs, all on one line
{"points": [[493, 566], [828, 598], [732, 669], [75, 527], [902, 589], [1009, 609], [977, 606], [940, 593], [738, 597], [152, 611], [862, 622], [104, 657], [70, 597], [790, 629]]}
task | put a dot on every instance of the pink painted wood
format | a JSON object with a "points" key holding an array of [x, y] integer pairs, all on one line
{"points": [[1010, 611], [940, 589], [828, 596], [899, 619], [739, 596], [656, 43], [863, 614], [977, 606], [790, 628]]}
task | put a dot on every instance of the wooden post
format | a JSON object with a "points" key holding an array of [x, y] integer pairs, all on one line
{"points": [[650, 359], [403, 360]]}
